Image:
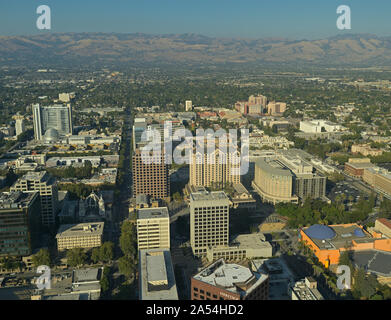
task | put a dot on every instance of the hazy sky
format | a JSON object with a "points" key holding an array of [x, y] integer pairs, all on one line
{"points": [[296, 19]]}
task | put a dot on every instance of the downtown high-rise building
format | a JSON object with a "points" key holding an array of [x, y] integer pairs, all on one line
{"points": [[55, 117], [218, 168], [20, 223], [47, 187], [150, 178], [209, 221]]}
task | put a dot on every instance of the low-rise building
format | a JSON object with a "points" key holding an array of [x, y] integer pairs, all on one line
{"points": [[224, 281], [156, 275], [82, 235], [306, 289]]}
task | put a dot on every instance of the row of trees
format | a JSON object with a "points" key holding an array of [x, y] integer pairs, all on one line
{"points": [[128, 244], [317, 211], [84, 172]]}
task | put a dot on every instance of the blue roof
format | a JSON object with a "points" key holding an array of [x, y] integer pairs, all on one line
{"points": [[320, 232], [359, 233]]}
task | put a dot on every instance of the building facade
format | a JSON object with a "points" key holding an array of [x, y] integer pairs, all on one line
{"points": [[217, 169], [209, 221], [82, 235], [153, 228], [47, 187], [151, 179], [56, 117], [223, 281], [19, 223]]}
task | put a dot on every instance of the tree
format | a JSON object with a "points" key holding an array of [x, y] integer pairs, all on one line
{"points": [[105, 281], [106, 251], [126, 266], [127, 239], [41, 258], [76, 257], [95, 255]]}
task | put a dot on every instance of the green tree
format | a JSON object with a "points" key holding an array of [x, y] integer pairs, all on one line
{"points": [[95, 255], [76, 257], [126, 266], [106, 251], [41, 258]]}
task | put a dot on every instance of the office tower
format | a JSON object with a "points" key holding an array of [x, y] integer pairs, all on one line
{"points": [[56, 117], [20, 222], [19, 125], [217, 169], [46, 185], [209, 221], [156, 275], [189, 105], [153, 228], [151, 179]]}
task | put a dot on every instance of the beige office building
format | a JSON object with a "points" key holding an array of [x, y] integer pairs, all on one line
{"points": [[82, 235], [273, 183], [153, 228], [47, 187], [209, 221], [219, 168]]}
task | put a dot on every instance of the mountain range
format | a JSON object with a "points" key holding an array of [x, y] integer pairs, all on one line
{"points": [[351, 49]]}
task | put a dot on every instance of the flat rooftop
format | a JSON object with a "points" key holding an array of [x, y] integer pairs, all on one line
{"points": [[344, 235], [81, 229], [251, 241], [208, 196], [15, 200], [373, 261], [230, 276], [86, 275], [151, 213], [156, 275]]}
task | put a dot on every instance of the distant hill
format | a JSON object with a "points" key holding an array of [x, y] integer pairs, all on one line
{"points": [[192, 49]]}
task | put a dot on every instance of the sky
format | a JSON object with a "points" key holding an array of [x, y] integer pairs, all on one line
{"points": [[293, 19]]}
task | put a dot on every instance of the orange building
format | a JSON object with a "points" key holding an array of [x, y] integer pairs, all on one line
{"points": [[327, 242]]}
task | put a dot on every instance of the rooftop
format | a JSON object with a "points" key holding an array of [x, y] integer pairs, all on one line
{"points": [[337, 236], [150, 213], [156, 273], [231, 277], [81, 229], [86, 275], [15, 200], [208, 196]]}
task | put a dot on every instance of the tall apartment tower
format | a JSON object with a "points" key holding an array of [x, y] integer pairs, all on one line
{"points": [[189, 105], [217, 169], [57, 117], [153, 228], [47, 187], [150, 179], [209, 221], [20, 223]]}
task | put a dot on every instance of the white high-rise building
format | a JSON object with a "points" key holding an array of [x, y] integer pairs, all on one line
{"points": [[209, 221], [189, 105], [19, 125], [56, 117]]}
